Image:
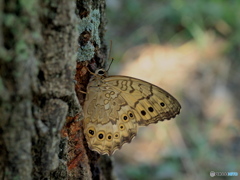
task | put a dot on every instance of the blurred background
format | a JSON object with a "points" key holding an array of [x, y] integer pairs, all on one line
{"points": [[191, 49]]}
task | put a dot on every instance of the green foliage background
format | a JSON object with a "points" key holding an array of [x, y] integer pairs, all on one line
{"points": [[175, 22]]}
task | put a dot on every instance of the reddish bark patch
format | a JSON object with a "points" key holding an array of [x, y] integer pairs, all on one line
{"points": [[81, 77]]}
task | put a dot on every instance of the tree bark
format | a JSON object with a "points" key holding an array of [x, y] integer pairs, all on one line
{"points": [[40, 114]]}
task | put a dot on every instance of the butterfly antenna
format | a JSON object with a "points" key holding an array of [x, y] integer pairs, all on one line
{"points": [[110, 64], [110, 51]]}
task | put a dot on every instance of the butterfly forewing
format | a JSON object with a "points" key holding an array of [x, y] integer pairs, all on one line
{"points": [[151, 103]]}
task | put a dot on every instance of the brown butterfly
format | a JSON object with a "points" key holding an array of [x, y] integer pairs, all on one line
{"points": [[116, 105]]}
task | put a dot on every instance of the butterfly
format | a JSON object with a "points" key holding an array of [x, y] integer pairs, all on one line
{"points": [[115, 106]]}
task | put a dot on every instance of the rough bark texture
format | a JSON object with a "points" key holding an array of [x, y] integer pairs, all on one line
{"points": [[92, 52], [39, 41]]}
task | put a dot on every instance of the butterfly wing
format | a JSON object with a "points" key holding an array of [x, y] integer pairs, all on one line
{"points": [[117, 105], [152, 103]]}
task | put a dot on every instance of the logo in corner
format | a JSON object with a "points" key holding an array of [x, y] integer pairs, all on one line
{"points": [[212, 173]]}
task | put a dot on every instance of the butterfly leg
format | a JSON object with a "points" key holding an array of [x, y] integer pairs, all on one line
{"points": [[82, 92]]}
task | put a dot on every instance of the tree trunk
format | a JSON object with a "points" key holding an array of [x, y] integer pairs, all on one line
{"points": [[39, 41]]}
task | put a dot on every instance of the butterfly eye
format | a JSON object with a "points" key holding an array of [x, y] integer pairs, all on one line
{"points": [[125, 118], [101, 135], [116, 135], [162, 104], [121, 127], [91, 132], [100, 72], [109, 137]]}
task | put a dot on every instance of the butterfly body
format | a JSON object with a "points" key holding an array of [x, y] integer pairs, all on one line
{"points": [[116, 105]]}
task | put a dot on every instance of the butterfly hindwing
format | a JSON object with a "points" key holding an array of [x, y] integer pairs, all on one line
{"points": [[116, 105]]}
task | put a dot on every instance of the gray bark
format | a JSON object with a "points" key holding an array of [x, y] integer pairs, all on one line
{"points": [[39, 42]]}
